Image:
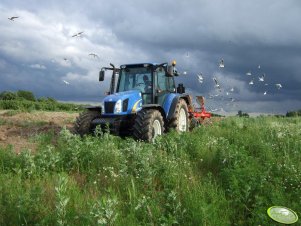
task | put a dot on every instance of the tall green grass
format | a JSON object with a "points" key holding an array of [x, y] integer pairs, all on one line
{"points": [[225, 174]]}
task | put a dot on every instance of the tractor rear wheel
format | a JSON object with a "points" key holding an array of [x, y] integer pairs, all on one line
{"points": [[83, 122], [149, 123], [179, 122]]}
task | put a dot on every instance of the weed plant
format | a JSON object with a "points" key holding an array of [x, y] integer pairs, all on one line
{"points": [[229, 173]]}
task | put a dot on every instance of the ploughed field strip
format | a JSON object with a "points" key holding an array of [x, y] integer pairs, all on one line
{"points": [[17, 129]]}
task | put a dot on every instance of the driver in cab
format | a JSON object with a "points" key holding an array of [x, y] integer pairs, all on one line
{"points": [[147, 83]]}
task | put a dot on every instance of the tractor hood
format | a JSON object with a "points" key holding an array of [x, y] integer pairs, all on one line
{"points": [[123, 103], [123, 95]]}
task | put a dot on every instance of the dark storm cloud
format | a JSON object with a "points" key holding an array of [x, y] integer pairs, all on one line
{"points": [[198, 34]]}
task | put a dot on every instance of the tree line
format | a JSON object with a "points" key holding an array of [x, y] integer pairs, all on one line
{"points": [[26, 101], [293, 113], [288, 114]]}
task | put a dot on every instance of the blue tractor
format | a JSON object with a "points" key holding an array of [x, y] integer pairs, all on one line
{"points": [[143, 102]]}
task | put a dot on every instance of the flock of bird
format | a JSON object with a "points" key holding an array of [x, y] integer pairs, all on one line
{"points": [[261, 79], [76, 35], [228, 92]]}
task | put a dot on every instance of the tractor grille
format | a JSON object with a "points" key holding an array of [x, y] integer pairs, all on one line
{"points": [[125, 104], [109, 107]]}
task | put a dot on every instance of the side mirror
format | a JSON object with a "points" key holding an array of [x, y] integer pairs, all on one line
{"points": [[101, 76], [180, 88]]}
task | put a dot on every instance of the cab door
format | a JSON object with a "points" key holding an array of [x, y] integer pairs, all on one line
{"points": [[163, 85]]}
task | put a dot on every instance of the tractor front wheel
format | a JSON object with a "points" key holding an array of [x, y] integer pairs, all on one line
{"points": [[83, 122], [148, 125]]}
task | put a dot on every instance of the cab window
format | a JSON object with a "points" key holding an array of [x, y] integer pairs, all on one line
{"points": [[161, 79]]}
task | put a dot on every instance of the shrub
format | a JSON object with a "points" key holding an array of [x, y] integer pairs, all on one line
{"points": [[7, 95], [26, 95]]}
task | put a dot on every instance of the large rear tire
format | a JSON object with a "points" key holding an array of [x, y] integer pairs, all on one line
{"points": [[148, 125], [179, 122], [83, 123]]}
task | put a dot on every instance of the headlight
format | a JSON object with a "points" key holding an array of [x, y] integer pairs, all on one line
{"points": [[118, 106]]}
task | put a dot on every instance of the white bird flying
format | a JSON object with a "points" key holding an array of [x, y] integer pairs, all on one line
{"points": [[251, 82], [259, 66], [67, 83], [94, 55], [221, 63], [265, 93], [261, 78], [278, 85], [200, 78], [216, 83], [232, 89], [213, 95], [13, 18], [213, 110], [77, 34], [249, 73]]}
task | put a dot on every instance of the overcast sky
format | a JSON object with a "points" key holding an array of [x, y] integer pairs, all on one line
{"points": [[38, 52]]}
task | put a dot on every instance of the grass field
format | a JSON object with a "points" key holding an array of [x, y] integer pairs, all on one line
{"points": [[229, 173]]}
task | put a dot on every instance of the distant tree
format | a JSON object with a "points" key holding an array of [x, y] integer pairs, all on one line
{"points": [[241, 114], [7, 95], [293, 113], [27, 95]]}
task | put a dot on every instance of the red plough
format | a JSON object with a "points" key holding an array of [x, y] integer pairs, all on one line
{"points": [[198, 115]]}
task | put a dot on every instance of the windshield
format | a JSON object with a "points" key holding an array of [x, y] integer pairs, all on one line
{"points": [[134, 78]]}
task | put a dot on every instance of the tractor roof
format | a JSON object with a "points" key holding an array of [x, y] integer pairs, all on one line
{"points": [[138, 65]]}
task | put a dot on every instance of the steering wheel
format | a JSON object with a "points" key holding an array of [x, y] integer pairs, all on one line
{"points": [[139, 86]]}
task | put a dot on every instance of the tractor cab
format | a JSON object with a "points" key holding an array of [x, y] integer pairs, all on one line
{"points": [[153, 81]]}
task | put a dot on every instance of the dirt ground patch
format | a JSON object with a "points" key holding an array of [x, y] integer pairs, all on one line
{"points": [[16, 128]]}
